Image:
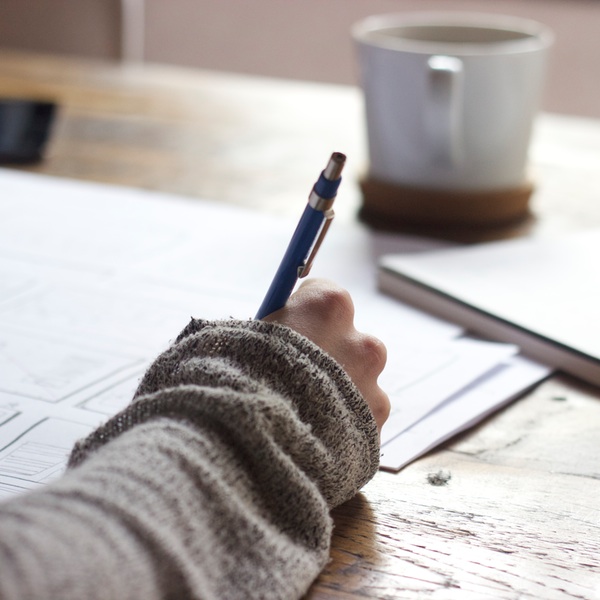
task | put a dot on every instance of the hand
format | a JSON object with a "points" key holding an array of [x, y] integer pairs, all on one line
{"points": [[324, 313]]}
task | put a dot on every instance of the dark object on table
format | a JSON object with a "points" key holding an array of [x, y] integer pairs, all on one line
{"points": [[24, 129]]}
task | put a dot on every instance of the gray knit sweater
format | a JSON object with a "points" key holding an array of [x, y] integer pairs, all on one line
{"points": [[216, 481]]}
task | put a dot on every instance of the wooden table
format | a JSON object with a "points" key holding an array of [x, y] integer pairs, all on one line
{"points": [[520, 515]]}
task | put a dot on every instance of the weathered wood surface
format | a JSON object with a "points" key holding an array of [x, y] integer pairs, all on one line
{"points": [[517, 518], [517, 514]]}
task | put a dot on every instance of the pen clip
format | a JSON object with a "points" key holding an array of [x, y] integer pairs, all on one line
{"points": [[304, 270]]}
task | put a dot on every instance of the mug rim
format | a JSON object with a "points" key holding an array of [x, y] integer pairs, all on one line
{"points": [[535, 35]]}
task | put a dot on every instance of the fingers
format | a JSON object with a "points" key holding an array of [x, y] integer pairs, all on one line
{"points": [[324, 313], [320, 310], [372, 358]]}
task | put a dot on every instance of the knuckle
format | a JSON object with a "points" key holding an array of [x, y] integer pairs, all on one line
{"points": [[336, 303], [384, 407], [381, 407], [374, 352]]}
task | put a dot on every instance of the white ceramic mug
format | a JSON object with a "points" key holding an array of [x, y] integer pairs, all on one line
{"points": [[451, 98]]}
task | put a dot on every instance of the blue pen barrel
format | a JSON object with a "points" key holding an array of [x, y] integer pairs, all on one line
{"points": [[297, 251], [307, 237]]}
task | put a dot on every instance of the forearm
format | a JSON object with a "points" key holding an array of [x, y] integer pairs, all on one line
{"points": [[216, 481]]}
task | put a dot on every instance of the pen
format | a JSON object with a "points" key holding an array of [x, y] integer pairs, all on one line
{"points": [[304, 245]]}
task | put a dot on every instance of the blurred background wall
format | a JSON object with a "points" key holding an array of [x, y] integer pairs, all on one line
{"points": [[298, 39]]}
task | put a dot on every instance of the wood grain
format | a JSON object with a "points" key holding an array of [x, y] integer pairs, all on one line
{"points": [[519, 514], [518, 517]]}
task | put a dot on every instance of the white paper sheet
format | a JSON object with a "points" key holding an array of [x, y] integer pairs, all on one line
{"points": [[463, 410], [429, 375], [96, 280]]}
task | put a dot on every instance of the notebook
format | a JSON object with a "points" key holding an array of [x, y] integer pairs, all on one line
{"points": [[540, 294]]}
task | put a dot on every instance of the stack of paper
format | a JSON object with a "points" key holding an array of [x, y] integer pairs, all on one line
{"points": [[95, 281]]}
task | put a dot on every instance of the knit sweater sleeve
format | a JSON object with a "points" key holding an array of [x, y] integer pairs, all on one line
{"points": [[215, 482]]}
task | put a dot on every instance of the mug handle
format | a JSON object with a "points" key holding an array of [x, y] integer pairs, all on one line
{"points": [[443, 110]]}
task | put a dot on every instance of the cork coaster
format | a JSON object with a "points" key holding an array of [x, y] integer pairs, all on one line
{"points": [[443, 213]]}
